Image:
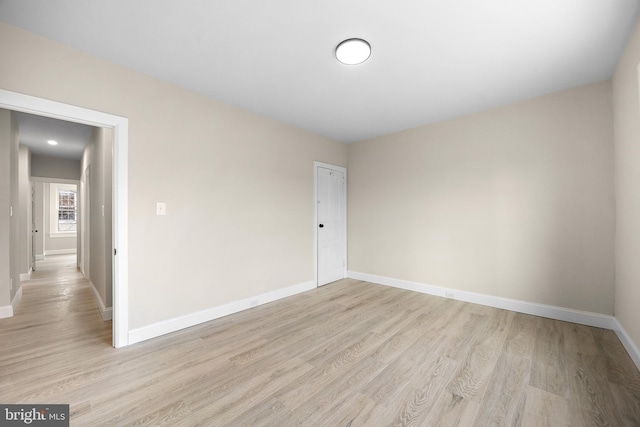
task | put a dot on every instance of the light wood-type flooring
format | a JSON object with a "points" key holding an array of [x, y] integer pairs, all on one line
{"points": [[348, 354]]}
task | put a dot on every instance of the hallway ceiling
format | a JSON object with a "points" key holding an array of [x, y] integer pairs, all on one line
{"points": [[430, 61], [35, 131]]}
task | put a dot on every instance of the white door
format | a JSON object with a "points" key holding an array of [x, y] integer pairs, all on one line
{"points": [[331, 224]]}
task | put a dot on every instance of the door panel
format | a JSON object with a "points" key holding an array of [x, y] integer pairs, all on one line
{"points": [[331, 216]]}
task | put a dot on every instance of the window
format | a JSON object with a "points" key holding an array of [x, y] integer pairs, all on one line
{"points": [[63, 209], [67, 211]]}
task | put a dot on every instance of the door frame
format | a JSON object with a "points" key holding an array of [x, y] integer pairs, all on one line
{"points": [[316, 166], [84, 243], [32, 186], [120, 184]]}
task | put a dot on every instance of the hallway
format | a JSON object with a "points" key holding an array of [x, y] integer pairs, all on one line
{"points": [[55, 332], [57, 300]]}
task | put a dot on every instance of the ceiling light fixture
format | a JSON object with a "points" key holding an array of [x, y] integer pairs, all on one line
{"points": [[353, 51], [52, 142]]}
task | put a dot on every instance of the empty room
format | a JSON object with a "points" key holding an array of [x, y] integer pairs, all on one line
{"points": [[330, 214]]}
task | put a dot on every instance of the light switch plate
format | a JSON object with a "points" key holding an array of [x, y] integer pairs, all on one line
{"points": [[161, 208]]}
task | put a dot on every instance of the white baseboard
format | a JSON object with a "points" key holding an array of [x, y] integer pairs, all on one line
{"points": [[60, 252], [6, 311], [627, 342], [16, 299], [171, 325], [542, 310], [39, 257], [9, 310], [105, 312], [26, 276]]}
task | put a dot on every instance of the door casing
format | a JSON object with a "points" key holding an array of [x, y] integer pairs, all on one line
{"points": [[120, 183]]}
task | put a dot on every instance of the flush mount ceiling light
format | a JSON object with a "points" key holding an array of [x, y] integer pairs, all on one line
{"points": [[353, 51], [52, 142]]}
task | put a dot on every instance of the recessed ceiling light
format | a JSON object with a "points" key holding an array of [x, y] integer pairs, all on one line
{"points": [[353, 51], [52, 142]]}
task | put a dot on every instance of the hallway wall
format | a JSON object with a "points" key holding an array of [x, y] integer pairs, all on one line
{"points": [[97, 157], [9, 201], [626, 101], [24, 211], [55, 167]]}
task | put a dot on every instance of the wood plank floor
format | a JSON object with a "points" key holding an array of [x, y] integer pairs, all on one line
{"points": [[348, 354]]}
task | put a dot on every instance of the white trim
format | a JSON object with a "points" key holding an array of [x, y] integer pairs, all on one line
{"points": [[39, 257], [317, 165], [43, 107], [105, 312], [6, 311], [60, 252], [16, 299], [64, 235], [54, 190], [55, 180], [120, 233], [171, 325], [552, 312], [627, 342], [26, 276], [9, 310]]}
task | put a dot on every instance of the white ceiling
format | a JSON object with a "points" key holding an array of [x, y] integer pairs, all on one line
{"points": [[431, 60], [35, 131]]}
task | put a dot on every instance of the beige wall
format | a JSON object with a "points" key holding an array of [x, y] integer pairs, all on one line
{"points": [[54, 167], [238, 186], [627, 179], [515, 202], [97, 160]]}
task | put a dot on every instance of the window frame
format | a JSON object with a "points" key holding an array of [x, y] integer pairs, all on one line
{"points": [[54, 208]]}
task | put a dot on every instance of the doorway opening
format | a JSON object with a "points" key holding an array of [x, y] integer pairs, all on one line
{"points": [[119, 125], [55, 217]]}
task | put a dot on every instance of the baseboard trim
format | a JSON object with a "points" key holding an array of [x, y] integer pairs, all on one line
{"points": [[39, 257], [171, 325], [627, 342], [9, 310], [60, 252], [542, 310], [16, 299], [26, 276], [105, 312], [6, 311]]}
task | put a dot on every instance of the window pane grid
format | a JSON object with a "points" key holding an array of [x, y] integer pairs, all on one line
{"points": [[67, 211]]}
